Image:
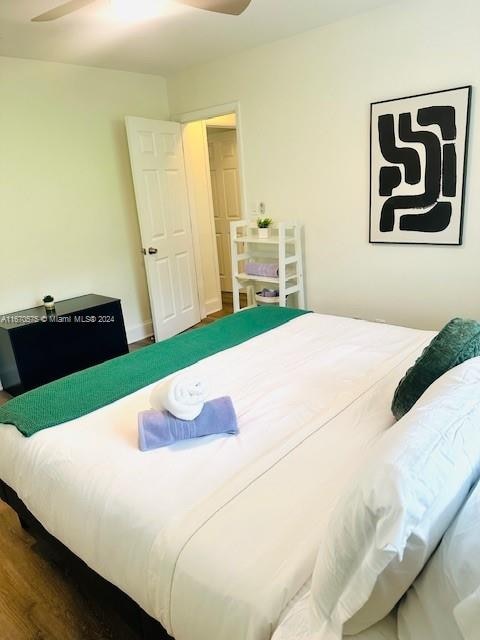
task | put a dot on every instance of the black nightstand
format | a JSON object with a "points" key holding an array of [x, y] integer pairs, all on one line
{"points": [[36, 348]]}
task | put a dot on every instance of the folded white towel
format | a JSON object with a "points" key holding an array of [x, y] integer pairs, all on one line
{"points": [[183, 396]]}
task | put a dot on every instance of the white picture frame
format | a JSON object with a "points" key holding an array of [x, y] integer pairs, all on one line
{"points": [[418, 157]]}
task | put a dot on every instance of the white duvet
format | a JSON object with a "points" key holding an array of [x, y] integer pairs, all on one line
{"points": [[214, 537]]}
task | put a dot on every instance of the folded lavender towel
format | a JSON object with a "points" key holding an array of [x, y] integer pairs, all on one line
{"points": [[161, 429], [269, 293], [270, 270]]}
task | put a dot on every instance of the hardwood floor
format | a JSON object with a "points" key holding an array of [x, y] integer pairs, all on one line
{"points": [[146, 342], [226, 310], [37, 600]]}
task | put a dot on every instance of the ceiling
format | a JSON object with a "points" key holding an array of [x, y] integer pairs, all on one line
{"points": [[177, 38]]}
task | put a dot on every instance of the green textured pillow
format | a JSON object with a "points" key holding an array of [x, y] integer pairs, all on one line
{"points": [[459, 340]]}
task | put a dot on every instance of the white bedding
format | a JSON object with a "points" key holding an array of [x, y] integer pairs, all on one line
{"points": [[215, 537], [386, 629]]}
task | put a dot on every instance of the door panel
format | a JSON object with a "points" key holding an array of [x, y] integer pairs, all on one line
{"points": [[221, 256], [222, 149], [184, 269], [216, 204], [155, 206], [165, 280], [156, 156], [232, 200]]}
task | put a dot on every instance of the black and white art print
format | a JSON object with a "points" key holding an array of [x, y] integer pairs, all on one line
{"points": [[418, 153]]}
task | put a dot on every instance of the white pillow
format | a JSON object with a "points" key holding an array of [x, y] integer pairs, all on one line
{"points": [[399, 506], [444, 601], [467, 615]]}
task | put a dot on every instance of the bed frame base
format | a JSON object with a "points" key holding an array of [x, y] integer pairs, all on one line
{"points": [[87, 580]]}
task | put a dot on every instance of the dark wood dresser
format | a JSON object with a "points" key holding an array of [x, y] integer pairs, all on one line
{"points": [[36, 348]]}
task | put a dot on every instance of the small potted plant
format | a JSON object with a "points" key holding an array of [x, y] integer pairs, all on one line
{"points": [[49, 303], [263, 225]]}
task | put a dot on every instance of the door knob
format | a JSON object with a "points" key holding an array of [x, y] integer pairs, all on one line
{"points": [[152, 251]]}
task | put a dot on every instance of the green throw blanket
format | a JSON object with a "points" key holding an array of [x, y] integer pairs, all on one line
{"points": [[83, 392]]}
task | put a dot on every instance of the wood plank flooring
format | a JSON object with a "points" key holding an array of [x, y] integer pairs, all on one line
{"points": [[37, 600]]}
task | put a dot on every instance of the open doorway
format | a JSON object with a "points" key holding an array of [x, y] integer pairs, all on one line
{"points": [[213, 166], [225, 185]]}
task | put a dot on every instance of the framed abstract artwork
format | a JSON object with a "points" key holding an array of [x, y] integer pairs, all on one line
{"points": [[418, 156]]}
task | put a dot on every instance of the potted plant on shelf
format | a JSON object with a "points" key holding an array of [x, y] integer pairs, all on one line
{"points": [[49, 303], [263, 225]]}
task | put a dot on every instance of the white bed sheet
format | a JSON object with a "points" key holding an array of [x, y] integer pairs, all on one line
{"points": [[214, 537], [386, 629]]}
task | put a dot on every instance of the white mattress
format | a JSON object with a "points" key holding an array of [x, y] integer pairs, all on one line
{"points": [[215, 537]]}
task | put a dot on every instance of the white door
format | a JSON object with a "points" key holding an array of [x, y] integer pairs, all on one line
{"points": [[156, 156], [222, 150]]}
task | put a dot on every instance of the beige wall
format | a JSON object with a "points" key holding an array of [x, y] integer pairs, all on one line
{"points": [[68, 221], [305, 127]]}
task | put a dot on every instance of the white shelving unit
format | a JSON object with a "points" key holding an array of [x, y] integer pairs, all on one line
{"points": [[282, 247]]}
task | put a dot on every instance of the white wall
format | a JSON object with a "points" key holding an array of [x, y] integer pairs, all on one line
{"points": [[305, 126], [68, 221]]}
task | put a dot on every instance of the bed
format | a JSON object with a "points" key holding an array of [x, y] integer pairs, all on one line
{"points": [[215, 538]]}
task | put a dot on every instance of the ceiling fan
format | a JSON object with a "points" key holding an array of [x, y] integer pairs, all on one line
{"points": [[232, 7]]}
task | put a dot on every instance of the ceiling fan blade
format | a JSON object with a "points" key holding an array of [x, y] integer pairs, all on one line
{"points": [[232, 7], [62, 10]]}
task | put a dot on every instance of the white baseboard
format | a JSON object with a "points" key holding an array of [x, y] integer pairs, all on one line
{"points": [[139, 332]]}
